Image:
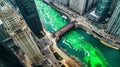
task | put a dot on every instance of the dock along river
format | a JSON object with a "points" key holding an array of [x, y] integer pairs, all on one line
{"points": [[77, 43]]}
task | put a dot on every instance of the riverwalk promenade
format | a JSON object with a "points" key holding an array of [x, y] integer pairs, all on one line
{"points": [[65, 57]]}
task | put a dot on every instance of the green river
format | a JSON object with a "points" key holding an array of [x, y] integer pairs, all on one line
{"points": [[77, 42]]}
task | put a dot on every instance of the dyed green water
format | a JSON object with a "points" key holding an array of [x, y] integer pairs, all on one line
{"points": [[50, 18], [91, 56], [73, 42]]}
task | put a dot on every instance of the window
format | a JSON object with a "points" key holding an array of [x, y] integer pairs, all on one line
{"points": [[2, 4], [20, 18]]}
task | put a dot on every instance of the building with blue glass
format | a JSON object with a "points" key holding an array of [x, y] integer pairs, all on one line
{"points": [[7, 58], [28, 10], [101, 11], [113, 26]]}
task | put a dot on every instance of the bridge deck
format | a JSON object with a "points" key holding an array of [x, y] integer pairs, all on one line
{"points": [[64, 29]]}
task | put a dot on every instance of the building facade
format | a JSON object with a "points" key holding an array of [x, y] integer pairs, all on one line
{"points": [[63, 2], [90, 4], [101, 11], [16, 27], [112, 7], [4, 37], [78, 6], [3, 34], [7, 57], [82, 6], [114, 22], [29, 12]]}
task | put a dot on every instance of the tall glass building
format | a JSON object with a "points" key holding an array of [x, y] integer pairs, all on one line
{"points": [[101, 11], [114, 22], [7, 58], [4, 37], [29, 13], [103, 8]]}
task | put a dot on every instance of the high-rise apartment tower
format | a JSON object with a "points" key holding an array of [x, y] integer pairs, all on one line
{"points": [[16, 27], [29, 13], [101, 11], [7, 58], [114, 22]]}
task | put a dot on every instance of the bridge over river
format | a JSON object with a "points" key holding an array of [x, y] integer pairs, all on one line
{"points": [[77, 43], [64, 29]]}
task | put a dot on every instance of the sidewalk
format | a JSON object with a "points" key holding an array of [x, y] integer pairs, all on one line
{"points": [[61, 53]]}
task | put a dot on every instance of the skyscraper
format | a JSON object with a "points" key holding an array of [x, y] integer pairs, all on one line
{"points": [[16, 27], [90, 4], [7, 57], [114, 22], [4, 37], [3, 34], [101, 11], [63, 2], [78, 5], [82, 6], [29, 13]]}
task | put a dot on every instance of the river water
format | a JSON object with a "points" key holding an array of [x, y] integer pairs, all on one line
{"points": [[77, 42]]}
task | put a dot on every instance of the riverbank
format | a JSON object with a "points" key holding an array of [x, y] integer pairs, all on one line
{"points": [[107, 44], [78, 44], [67, 61], [100, 34], [101, 38]]}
